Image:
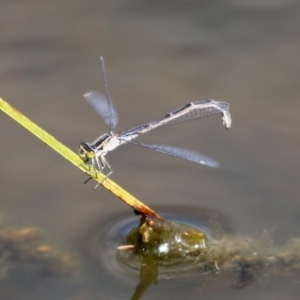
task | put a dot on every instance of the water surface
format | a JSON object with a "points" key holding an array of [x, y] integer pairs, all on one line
{"points": [[159, 56]]}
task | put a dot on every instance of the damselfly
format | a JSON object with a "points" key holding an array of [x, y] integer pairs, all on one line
{"points": [[96, 151]]}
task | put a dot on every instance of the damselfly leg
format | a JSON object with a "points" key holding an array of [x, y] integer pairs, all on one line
{"points": [[100, 162]]}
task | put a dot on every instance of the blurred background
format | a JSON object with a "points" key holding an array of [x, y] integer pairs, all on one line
{"points": [[159, 56]]}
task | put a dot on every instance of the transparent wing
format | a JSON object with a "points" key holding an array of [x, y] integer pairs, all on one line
{"points": [[111, 110], [105, 111], [191, 111], [182, 153]]}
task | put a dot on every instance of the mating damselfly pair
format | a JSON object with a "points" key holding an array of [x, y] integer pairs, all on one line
{"points": [[96, 151]]}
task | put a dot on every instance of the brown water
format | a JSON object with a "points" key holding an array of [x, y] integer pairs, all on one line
{"points": [[159, 55]]}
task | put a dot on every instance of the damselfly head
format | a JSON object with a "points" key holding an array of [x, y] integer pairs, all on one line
{"points": [[86, 152]]}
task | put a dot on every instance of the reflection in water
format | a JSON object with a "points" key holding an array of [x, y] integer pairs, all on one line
{"points": [[207, 251], [219, 259], [148, 276]]}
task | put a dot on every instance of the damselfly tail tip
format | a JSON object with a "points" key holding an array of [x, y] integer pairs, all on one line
{"points": [[227, 122]]}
